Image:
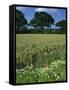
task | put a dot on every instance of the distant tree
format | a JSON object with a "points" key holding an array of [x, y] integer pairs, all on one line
{"points": [[62, 25], [20, 20], [42, 19]]}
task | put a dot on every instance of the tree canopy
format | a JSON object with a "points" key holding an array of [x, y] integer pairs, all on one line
{"points": [[20, 19], [62, 25], [42, 19]]}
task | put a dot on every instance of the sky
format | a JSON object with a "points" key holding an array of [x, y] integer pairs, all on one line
{"points": [[57, 14]]}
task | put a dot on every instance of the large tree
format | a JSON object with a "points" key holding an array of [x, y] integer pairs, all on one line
{"points": [[62, 25], [42, 19], [20, 20]]}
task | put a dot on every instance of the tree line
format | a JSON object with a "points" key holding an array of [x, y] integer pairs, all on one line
{"points": [[40, 23]]}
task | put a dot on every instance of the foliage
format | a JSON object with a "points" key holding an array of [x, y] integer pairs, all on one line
{"points": [[20, 20], [38, 53], [62, 25], [54, 72], [42, 19]]}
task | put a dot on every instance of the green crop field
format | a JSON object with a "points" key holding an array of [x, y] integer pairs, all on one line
{"points": [[40, 58]]}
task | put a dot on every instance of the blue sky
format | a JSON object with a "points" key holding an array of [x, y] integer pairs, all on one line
{"points": [[57, 14]]}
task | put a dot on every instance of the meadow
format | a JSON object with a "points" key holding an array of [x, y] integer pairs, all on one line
{"points": [[40, 58]]}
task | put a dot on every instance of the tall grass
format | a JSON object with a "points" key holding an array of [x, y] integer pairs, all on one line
{"points": [[40, 58]]}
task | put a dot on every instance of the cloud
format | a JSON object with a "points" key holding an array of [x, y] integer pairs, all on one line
{"points": [[48, 10], [40, 9], [20, 8]]}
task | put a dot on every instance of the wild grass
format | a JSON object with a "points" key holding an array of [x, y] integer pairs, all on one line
{"points": [[40, 58]]}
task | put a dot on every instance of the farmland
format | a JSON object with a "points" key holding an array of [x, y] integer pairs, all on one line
{"points": [[40, 58]]}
